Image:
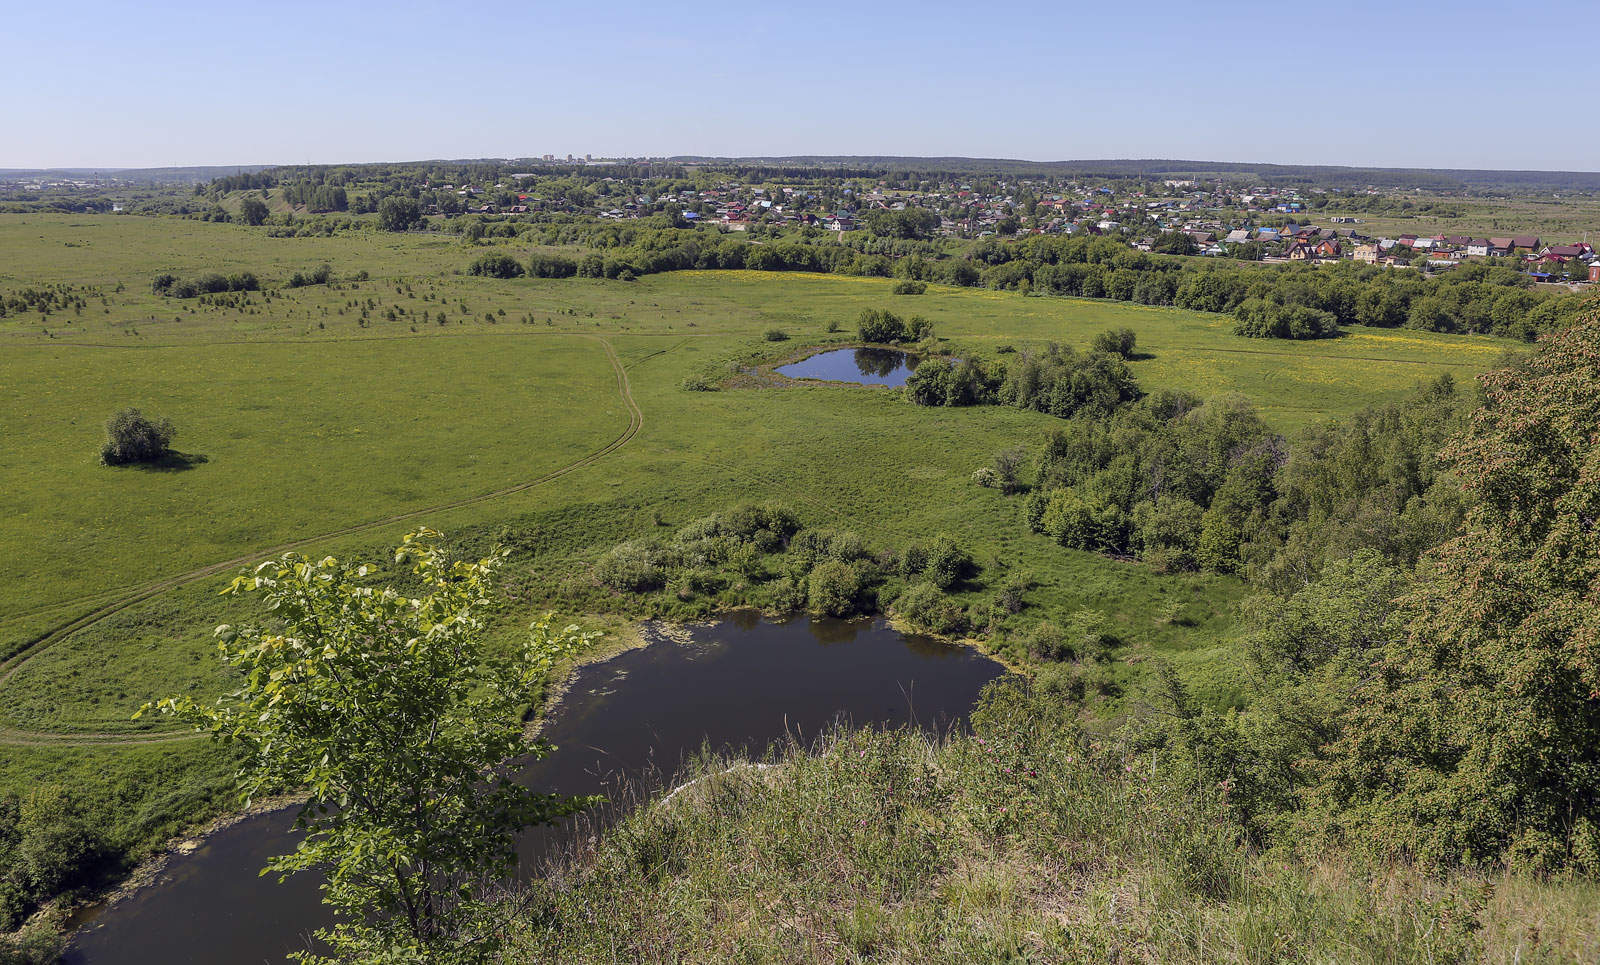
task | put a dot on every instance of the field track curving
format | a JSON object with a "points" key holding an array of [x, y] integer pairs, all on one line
{"points": [[129, 598]]}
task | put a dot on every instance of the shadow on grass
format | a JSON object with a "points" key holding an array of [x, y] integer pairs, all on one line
{"points": [[171, 462]]}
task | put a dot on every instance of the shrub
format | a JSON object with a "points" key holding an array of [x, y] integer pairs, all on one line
{"points": [[1086, 633], [1118, 341], [947, 562], [316, 276], [919, 328], [776, 335], [1010, 598], [1167, 534], [1082, 522], [499, 265], [926, 608], [767, 525], [985, 477], [131, 438], [909, 287], [914, 560], [162, 283], [58, 846], [877, 325], [1047, 642], [634, 566], [211, 284], [34, 945], [826, 544], [833, 589], [1258, 318], [551, 266], [786, 594]]}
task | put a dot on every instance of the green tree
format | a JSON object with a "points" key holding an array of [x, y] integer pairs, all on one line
{"points": [[833, 589], [1478, 734], [397, 213], [132, 437], [948, 564], [881, 326], [498, 265], [387, 709], [252, 211], [1118, 341]]}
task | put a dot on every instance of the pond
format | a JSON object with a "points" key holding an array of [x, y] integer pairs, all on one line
{"points": [[744, 682], [866, 366]]}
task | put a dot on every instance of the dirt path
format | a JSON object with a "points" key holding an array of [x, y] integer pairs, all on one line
{"points": [[9, 669]]}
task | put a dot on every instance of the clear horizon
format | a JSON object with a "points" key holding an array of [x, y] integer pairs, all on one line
{"points": [[181, 84], [561, 158]]}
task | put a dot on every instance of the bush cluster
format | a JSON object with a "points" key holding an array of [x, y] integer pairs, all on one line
{"points": [[760, 555], [1057, 381], [884, 327], [48, 845], [209, 284], [1185, 484], [498, 265], [319, 275]]}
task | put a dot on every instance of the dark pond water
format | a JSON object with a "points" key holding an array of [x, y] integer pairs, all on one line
{"points": [[745, 682], [868, 366]]}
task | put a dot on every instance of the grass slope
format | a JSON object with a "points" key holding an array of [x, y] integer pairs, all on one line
{"points": [[1017, 845]]}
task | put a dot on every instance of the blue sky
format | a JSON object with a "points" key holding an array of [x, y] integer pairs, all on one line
{"points": [[1471, 84]]}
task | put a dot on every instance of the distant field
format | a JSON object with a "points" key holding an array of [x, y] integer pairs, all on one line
{"points": [[1555, 221], [312, 419]]}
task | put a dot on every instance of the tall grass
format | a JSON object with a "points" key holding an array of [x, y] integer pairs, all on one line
{"points": [[1026, 840]]}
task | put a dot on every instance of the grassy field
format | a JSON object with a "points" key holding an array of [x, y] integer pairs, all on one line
{"points": [[1555, 221], [549, 414]]}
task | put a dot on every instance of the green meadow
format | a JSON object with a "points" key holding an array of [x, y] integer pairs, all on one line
{"points": [[547, 414]]}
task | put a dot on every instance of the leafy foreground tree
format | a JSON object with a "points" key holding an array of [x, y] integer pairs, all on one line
{"points": [[388, 712], [1479, 734], [132, 437]]}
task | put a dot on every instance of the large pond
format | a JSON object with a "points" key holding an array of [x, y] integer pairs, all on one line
{"points": [[744, 682], [867, 366]]}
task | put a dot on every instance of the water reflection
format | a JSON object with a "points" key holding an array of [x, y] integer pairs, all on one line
{"points": [[881, 361], [636, 718], [864, 366]]}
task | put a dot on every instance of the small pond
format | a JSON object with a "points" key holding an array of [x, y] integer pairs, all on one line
{"points": [[866, 366], [744, 682]]}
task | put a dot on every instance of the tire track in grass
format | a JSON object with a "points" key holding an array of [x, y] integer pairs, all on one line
{"points": [[9, 668]]}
